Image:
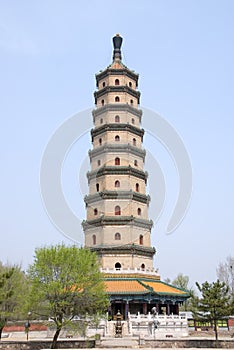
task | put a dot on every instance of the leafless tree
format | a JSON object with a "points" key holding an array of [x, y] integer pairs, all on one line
{"points": [[225, 273]]}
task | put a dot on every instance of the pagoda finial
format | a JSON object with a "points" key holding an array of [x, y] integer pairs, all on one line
{"points": [[117, 42]]}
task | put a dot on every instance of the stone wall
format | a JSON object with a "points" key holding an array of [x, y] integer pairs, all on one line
{"points": [[39, 344], [186, 343]]}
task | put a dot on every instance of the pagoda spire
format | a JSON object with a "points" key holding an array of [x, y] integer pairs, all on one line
{"points": [[117, 42]]}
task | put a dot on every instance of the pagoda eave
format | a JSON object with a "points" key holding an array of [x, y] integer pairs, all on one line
{"points": [[117, 89], [117, 170], [120, 107], [131, 195], [120, 71], [121, 148], [125, 249], [117, 221], [117, 127]]}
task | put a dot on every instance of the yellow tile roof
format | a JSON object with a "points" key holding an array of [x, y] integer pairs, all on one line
{"points": [[140, 285], [124, 286], [160, 287]]}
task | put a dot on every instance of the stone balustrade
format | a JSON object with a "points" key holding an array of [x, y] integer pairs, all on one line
{"points": [[158, 325], [151, 272]]}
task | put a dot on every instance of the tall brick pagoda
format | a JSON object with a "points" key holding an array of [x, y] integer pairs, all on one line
{"points": [[117, 227]]}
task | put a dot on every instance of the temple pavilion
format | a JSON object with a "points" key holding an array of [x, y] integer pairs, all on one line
{"points": [[117, 226]]}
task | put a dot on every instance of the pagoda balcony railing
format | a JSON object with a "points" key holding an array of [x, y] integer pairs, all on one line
{"points": [[151, 272], [163, 319]]}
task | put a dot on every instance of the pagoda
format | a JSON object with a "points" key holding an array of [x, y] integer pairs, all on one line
{"points": [[117, 226]]}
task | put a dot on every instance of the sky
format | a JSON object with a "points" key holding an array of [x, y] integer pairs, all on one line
{"points": [[183, 51]]}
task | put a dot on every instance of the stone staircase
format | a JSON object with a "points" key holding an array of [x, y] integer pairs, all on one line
{"points": [[121, 343]]}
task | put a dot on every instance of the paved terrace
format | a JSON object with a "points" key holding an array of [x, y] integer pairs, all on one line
{"points": [[127, 342]]}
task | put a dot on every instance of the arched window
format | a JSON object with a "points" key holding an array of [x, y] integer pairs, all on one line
{"points": [[135, 162], [116, 81], [130, 84], [117, 138], [133, 121], [97, 187], [117, 119], [117, 99], [141, 240], [139, 211], [117, 210], [103, 102], [95, 211], [94, 239], [134, 142], [137, 188], [131, 102], [103, 84], [98, 162], [117, 183], [101, 121], [117, 161], [100, 142], [117, 236], [143, 267], [117, 266]]}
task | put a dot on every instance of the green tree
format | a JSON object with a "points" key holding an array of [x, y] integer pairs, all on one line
{"points": [[66, 282], [13, 291], [167, 280], [214, 303], [182, 281]]}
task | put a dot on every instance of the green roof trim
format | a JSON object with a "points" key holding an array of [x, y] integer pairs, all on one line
{"points": [[120, 107], [117, 220], [117, 148], [105, 195], [117, 127], [120, 71], [117, 170], [124, 249], [117, 89]]}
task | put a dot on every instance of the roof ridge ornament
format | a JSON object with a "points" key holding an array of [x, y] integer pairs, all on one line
{"points": [[117, 42]]}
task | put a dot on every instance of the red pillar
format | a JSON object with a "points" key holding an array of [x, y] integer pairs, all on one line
{"points": [[126, 310]]}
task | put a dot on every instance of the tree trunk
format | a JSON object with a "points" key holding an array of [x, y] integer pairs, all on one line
{"points": [[216, 330], [3, 322], [56, 335]]}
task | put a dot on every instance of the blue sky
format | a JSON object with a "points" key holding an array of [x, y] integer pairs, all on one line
{"points": [[183, 51]]}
